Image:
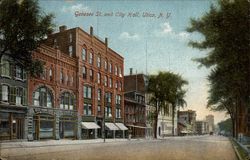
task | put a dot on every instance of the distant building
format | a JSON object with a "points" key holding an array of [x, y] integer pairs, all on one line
{"points": [[210, 121], [201, 127], [186, 122]]}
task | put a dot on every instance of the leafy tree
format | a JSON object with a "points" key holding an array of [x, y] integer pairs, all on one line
{"points": [[166, 91], [23, 26], [226, 33], [226, 125]]}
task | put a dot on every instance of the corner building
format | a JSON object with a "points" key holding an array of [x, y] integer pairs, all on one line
{"points": [[83, 84]]}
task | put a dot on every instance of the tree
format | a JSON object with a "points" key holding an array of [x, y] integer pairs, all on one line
{"points": [[23, 26], [166, 90], [226, 33], [226, 126]]}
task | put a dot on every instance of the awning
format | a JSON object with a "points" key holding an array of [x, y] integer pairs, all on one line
{"points": [[136, 126], [111, 126], [89, 125], [121, 126]]}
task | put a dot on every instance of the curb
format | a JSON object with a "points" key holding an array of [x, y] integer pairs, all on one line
{"points": [[235, 147]]}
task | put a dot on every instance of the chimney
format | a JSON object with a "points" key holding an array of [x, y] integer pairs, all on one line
{"points": [[91, 31], [106, 42], [131, 71], [62, 28]]}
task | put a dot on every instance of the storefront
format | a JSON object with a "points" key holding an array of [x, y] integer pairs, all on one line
{"points": [[89, 130], [121, 132], [67, 127], [43, 126], [12, 123], [110, 129]]}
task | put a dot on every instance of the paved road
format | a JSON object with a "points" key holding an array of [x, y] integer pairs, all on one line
{"points": [[172, 148]]}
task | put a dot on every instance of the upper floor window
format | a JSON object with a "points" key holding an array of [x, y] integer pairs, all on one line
{"points": [[120, 72], [42, 97], [20, 95], [70, 37], [84, 74], [84, 54], [5, 67], [50, 74], [43, 74], [19, 72], [110, 82], [91, 75], [108, 97], [99, 94], [106, 65], [118, 99], [5, 93], [116, 84], [87, 92], [105, 81], [99, 62], [70, 51], [90, 58], [67, 101], [118, 113], [116, 71], [110, 67], [98, 78], [87, 109], [61, 76], [120, 86]]}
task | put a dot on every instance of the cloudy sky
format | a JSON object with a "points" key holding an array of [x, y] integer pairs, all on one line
{"points": [[135, 28]]}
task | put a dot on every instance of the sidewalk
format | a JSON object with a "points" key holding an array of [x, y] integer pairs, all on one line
{"points": [[32, 144]]}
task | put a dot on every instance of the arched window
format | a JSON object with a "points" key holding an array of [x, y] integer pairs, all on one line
{"points": [[84, 54], [91, 57], [67, 101], [5, 67], [42, 97]]}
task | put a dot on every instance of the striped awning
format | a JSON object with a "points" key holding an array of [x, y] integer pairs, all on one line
{"points": [[89, 125], [121, 126], [111, 126]]}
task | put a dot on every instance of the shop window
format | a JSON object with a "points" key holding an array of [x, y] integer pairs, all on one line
{"points": [[42, 97], [87, 92], [67, 101], [87, 109], [5, 67]]}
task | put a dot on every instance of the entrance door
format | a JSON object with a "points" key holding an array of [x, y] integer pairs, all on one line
{"points": [[19, 128], [61, 130]]}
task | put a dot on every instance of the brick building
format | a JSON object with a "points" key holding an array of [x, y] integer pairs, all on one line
{"points": [[97, 79], [135, 106], [186, 122]]}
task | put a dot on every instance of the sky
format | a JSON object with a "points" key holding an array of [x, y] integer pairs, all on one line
{"points": [[150, 35]]}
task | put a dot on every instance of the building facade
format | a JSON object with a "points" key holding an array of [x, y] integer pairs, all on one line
{"points": [[201, 127], [98, 79], [186, 122], [13, 100], [210, 121]]}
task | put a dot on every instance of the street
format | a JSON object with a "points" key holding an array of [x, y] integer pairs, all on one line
{"points": [[171, 148]]}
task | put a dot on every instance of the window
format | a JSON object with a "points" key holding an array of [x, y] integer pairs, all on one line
{"points": [[67, 101], [99, 109], [61, 76], [66, 78], [72, 80], [70, 51], [19, 96], [110, 82], [87, 109], [5, 93], [99, 94], [106, 65], [87, 92], [19, 72], [5, 68], [43, 75], [105, 81], [70, 37], [90, 58], [116, 84], [120, 86], [50, 74], [99, 62], [118, 113], [84, 75], [116, 71], [84, 54], [118, 99], [108, 97], [42, 97], [91, 77], [120, 72], [98, 78], [108, 111], [110, 67]]}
